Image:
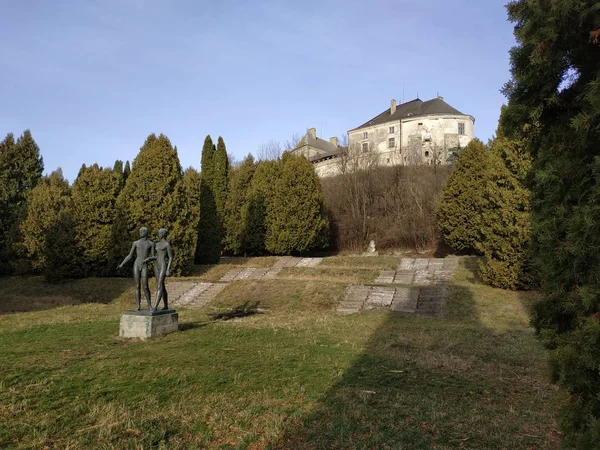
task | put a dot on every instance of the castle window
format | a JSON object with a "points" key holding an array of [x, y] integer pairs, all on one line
{"points": [[391, 142], [391, 130], [426, 154], [461, 128], [365, 147], [366, 135]]}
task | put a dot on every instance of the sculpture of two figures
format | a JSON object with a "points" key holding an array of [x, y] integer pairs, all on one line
{"points": [[145, 251]]}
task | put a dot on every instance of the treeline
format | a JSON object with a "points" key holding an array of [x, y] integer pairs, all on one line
{"points": [[63, 231]]}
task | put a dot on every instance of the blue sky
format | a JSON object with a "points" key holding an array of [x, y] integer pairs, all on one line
{"points": [[92, 78]]}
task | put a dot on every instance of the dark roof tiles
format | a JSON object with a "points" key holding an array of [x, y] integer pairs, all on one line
{"points": [[415, 108]]}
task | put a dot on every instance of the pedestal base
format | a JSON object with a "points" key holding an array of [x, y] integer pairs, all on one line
{"points": [[146, 324]]}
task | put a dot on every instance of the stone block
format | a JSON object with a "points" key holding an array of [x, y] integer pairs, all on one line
{"points": [[146, 324]]}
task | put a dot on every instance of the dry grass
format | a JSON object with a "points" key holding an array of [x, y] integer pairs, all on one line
{"points": [[298, 377]]}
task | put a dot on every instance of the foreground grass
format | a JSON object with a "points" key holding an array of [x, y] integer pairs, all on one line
{"points": [[299, 376]]}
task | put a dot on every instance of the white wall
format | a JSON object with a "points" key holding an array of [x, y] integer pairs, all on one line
{"points": [[412, 141]]}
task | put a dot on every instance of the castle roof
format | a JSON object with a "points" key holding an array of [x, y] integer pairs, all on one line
{"points": [[414, 108]]}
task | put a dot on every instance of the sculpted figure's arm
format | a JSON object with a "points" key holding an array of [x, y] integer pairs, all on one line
{"points": [[152, 256], [128, 257], [170, 256]]}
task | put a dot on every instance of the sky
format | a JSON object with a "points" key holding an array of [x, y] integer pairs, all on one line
{"points": [[92, 79]]}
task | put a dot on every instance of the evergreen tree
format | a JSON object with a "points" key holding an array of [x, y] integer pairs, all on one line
{"points": [[459, 213], [45, 204], [553, 107], [126, 172], [21, 168], [254, 212], [297, 220], [220, 178], [191, 189], [94, 195], [153, 197], [62, 256], [208, 247], [505, 229], [239, 184]]}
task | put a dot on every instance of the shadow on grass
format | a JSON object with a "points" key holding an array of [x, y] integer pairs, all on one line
{"points": [[245, 310], [433, 383], [33, 293]]}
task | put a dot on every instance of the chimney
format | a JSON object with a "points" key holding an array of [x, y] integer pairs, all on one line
{"points": [[312, 132], [440, 97], [333, 140], [392, 107]]}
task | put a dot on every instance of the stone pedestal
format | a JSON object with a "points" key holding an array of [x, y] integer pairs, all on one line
{"points": [[146, 324]]}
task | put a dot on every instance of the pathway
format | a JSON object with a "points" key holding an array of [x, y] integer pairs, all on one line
{"points": [[420, 286], [193, 294], [427, 278]]}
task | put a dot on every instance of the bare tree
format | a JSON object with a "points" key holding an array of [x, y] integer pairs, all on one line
{"points": [[291, 143], [270, 150]]}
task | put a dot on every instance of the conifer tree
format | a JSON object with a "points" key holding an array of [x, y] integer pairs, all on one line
{"points": [[553, 107], [63, 259], [126, 172], [239, 184], [153, 197], [297, 220], [191, 189], [254, 213], [94, 194], [45, 204], [459, 213], [505, 229], [208, 247], [220, 178], [21, 168]]}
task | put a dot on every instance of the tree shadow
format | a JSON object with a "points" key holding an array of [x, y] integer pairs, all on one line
{"points": [[32, 293], [244, 310], [431, 383]]}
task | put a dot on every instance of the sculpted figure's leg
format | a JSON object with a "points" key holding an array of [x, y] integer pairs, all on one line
{"points": [[160, 291], [136, 280], [146, 288], [165, 296]]}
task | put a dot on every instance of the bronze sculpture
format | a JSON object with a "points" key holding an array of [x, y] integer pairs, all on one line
{"points": [[162, 269], [144, 250]]}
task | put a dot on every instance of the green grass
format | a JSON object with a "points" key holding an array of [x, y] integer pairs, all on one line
{"points": [[299, 376]]}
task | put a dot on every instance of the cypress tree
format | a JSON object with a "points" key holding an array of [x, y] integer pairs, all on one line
{"points": [[297, 220], [239, 184], [46, 202], [94, 195], [153, 197], [126, 172], [220, 178], [254, 212], [191, 189], [63, 259], [553, 107], [21, 168], [208, 247], [459, 213], [505, 229]]}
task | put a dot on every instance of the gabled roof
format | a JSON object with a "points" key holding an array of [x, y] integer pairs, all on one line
{"points": [[414, 108], [316, 142]]}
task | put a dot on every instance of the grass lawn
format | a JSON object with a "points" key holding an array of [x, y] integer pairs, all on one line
{"points": [[298, 377]]}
